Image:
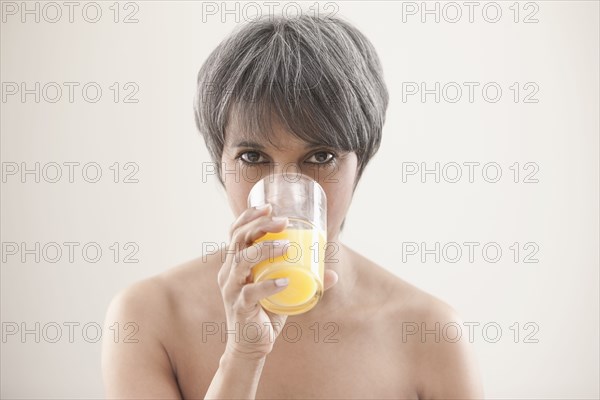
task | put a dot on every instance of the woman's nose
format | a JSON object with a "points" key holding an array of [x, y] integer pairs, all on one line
{"points": [[286, 167]]}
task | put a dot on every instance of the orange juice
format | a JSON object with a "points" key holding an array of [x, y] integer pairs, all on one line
{"points": [[302, 263]]}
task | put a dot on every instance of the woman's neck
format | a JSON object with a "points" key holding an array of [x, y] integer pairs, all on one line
{"points": [[341, 296]]}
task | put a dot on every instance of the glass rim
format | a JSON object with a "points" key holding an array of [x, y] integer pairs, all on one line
{"points": [[273, 178]]}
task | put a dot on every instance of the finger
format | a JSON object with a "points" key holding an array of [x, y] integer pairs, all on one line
{"points": [[246, 235], [253, 255], [249, 215], [330, 278], [252, 293], [250, 219]]}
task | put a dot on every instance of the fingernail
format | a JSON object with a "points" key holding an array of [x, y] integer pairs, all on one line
{"points": [[281, 282]]}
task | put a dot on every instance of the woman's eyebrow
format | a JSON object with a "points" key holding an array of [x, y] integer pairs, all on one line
{"points": [[247, 143]]}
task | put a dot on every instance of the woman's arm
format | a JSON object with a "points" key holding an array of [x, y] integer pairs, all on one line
{"points": [[143, 369], [236, 378], [448, 368], [135, 364]]}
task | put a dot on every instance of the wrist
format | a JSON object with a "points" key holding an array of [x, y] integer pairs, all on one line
{"points": [[248, 359]]}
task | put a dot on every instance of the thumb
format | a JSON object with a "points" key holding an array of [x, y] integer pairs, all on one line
{"points": [[330, 278]]}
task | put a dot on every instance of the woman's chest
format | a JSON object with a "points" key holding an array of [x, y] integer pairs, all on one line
{"points": [[308, 361], [360, 368]]}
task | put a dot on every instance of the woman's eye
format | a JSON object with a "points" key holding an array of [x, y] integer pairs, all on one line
{"points": [[322, 157], [251, 157], [254, 157]]}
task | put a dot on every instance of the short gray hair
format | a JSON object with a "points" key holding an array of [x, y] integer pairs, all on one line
{"points": [[321, 77]]}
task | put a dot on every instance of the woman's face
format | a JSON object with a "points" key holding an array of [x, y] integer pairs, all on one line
{"points": [[245, 162]]}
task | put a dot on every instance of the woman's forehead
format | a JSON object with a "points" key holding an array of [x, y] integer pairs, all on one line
{"points": [[278, 139], [275, 135]]}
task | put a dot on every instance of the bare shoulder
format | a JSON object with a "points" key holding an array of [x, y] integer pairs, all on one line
{"points": [[398, 297], [159, 298], [135, 363], [151, 305], [143, 294], [427, 331], [418, 305], [445, 363], [146, 320]]}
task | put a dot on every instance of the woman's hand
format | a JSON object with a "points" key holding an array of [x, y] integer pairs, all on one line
{"points": [[252, 330], [255, 328]]}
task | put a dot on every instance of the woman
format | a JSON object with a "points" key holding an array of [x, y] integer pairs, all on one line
{"points": [[306, 93]]}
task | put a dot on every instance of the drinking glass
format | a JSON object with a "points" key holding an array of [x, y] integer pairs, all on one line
{"points": [[303, 201]]}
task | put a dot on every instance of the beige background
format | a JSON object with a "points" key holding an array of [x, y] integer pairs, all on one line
{"points": [[170, 212]]}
